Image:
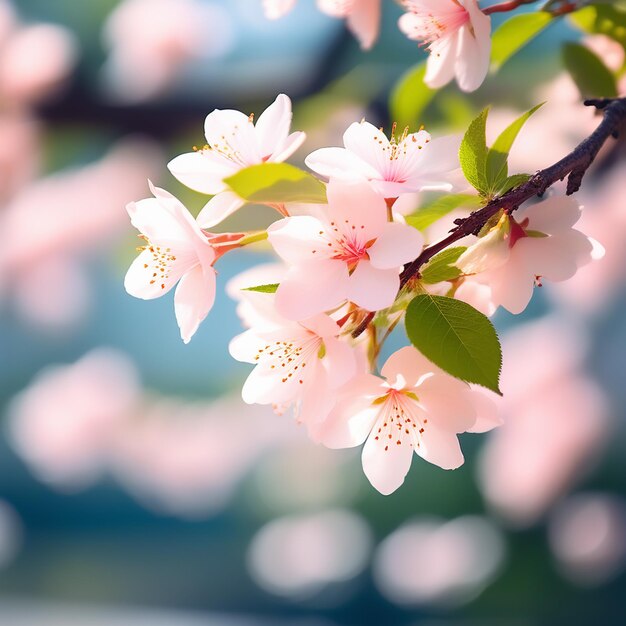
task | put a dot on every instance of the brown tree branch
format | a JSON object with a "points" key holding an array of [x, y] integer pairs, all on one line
{"points": [[573, 166]]}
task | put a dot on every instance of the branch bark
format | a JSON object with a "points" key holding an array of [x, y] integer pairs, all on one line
{"points": [[573, 167]]}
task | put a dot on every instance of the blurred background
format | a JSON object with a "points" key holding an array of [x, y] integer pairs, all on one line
{"points": [[135, 485]]}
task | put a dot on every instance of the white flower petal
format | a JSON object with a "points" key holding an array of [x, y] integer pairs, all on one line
{"points": [[218, 208], [272, 127], [193, 299], [202, 171], [386, 463], [312, 288], [299, 239], [440, 447], [371, 288], [396, 245]]}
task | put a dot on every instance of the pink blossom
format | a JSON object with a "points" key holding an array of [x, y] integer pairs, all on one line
{"points": [[300, 364], [233, 143], [151, 41], [188, 459], [45, 231], [429, 561], [457, 35], [555, 422], [176, 250], [415, 407], [538, 243], [349, 252], [64, 422], [362, 16], [34, 61], [407, 163]]}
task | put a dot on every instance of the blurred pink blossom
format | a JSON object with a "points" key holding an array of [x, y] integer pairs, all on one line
{"points": [[20, 153], [64, 422], [151, 41], [431, 562], [34, 61], [188, 459], [61, 218], [555, 422], [587, 535], [298, 556]]}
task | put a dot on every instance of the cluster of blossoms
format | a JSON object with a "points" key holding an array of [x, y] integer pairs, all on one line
{"points": [[456, 33], [340, 272]]}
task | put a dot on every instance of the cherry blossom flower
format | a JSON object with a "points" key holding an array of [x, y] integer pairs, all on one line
{"points": [[176, 250], [457, 35], [416, 407], [404, 164], [536, 244], [233, 143], [349, 252], [362, 16], [300, 364]]}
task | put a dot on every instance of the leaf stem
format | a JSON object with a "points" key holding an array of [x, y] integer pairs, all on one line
{"points": [[511, 5]]}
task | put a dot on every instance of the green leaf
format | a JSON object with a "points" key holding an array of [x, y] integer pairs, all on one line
{"points": [[514, 34], [592, 77], [441, 267], [410, 97], [513, 181], [430, 213], [457, 338], [498, 155], [269, 288], [604, 19], [277, 182], [473, 153]]}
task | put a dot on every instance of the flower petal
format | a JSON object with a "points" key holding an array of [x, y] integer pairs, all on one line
{"points": [[396, 245], [441, 63], [202, 171], [232, 134], [553, 215], [386, 463], [218, 208], [363, 22], [371, 288], [358, 211], [312, 288], [339, 361], [440, 447], [339, 163], [472, 63], [272, 127], [145, 280], [193, 299], [299, 239], [288, 147]]}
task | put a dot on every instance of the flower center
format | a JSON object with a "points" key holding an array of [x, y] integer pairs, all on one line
{"points": [[289, 358], [428, 27], [159, 266], [399, 421]]}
